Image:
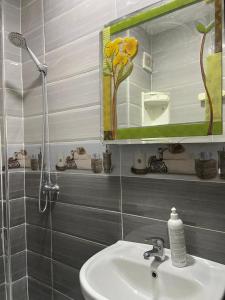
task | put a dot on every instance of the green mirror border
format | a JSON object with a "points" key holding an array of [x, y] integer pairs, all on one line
{"points": [[171, 130], [161, 131], [150, 14]]}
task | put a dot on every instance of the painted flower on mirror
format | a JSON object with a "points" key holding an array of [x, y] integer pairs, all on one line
{"points": [[118, 64], [121, 59], [113, 47], [130, 46]]}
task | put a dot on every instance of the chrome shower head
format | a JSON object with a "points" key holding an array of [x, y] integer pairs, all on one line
{"points": [[17, 40]]}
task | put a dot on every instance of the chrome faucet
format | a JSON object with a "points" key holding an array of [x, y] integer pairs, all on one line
{"points": [[157, 250]]}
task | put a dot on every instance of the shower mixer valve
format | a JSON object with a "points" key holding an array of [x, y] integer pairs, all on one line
{"points": [[51, 189]]}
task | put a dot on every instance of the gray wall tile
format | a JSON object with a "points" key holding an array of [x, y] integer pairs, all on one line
{"points": [[100, 192], [16, 185], [195, 201], [39, 240], [200, 242], [2, 274], [73, 251], [18, 262], [59, 296], [17, 239], [20, 289], [17, 212], [33, 216], [96, 225], [39, 267], [66, 280], [37, 290], [2, 292]]}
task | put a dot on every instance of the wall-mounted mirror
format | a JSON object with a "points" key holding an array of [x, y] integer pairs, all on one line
{"points": [[162, 72]]}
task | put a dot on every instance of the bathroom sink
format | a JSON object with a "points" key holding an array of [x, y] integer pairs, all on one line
{"points": [[120, 272]]}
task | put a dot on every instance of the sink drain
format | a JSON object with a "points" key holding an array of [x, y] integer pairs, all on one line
{"points": [[154, 274]]}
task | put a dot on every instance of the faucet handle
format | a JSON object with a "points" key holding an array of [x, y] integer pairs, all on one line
{"points": [[155, 241]]}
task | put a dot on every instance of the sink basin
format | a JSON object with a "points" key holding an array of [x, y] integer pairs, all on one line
{"points": [[120, 272]]}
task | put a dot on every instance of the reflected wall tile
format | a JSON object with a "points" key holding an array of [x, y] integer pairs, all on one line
{"points": [[31, 16], [177, 77], [75, 124], [90, 16], [77, 57]]}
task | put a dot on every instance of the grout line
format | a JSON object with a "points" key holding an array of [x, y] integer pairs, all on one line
{"points": [[113, 212], [121, 193], [69, 235], [77, 40], [164, 221]]}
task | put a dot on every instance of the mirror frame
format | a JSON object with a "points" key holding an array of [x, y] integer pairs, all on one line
{"points": [[167, 130]]}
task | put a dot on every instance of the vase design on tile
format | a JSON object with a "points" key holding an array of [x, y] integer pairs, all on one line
{"points": [[96, 163], [78, 159], [107, 160], [118, 65], [139, 163], [19, 160], [206, 166], [156, 164]]}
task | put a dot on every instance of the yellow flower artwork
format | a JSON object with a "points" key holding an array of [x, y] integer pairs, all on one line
{"points": [[119, 54]]}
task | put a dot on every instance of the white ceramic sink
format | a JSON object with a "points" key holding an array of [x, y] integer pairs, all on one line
{"points": [[120, 272]]}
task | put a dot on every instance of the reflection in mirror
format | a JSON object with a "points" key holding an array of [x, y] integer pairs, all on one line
{"points": [[176, 73], [166, 86]]}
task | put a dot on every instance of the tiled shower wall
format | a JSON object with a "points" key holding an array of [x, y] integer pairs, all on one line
{"points": [[12, 120], [94, 210]]}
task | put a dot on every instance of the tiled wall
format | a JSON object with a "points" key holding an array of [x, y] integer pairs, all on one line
{"points": [[95, 210], [12, 122]]}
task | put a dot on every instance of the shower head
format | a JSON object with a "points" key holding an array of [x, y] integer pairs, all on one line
{"points": [[18, 40]]}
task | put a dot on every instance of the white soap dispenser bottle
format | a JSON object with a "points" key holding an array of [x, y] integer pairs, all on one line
{"points": [[177, 240]]}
